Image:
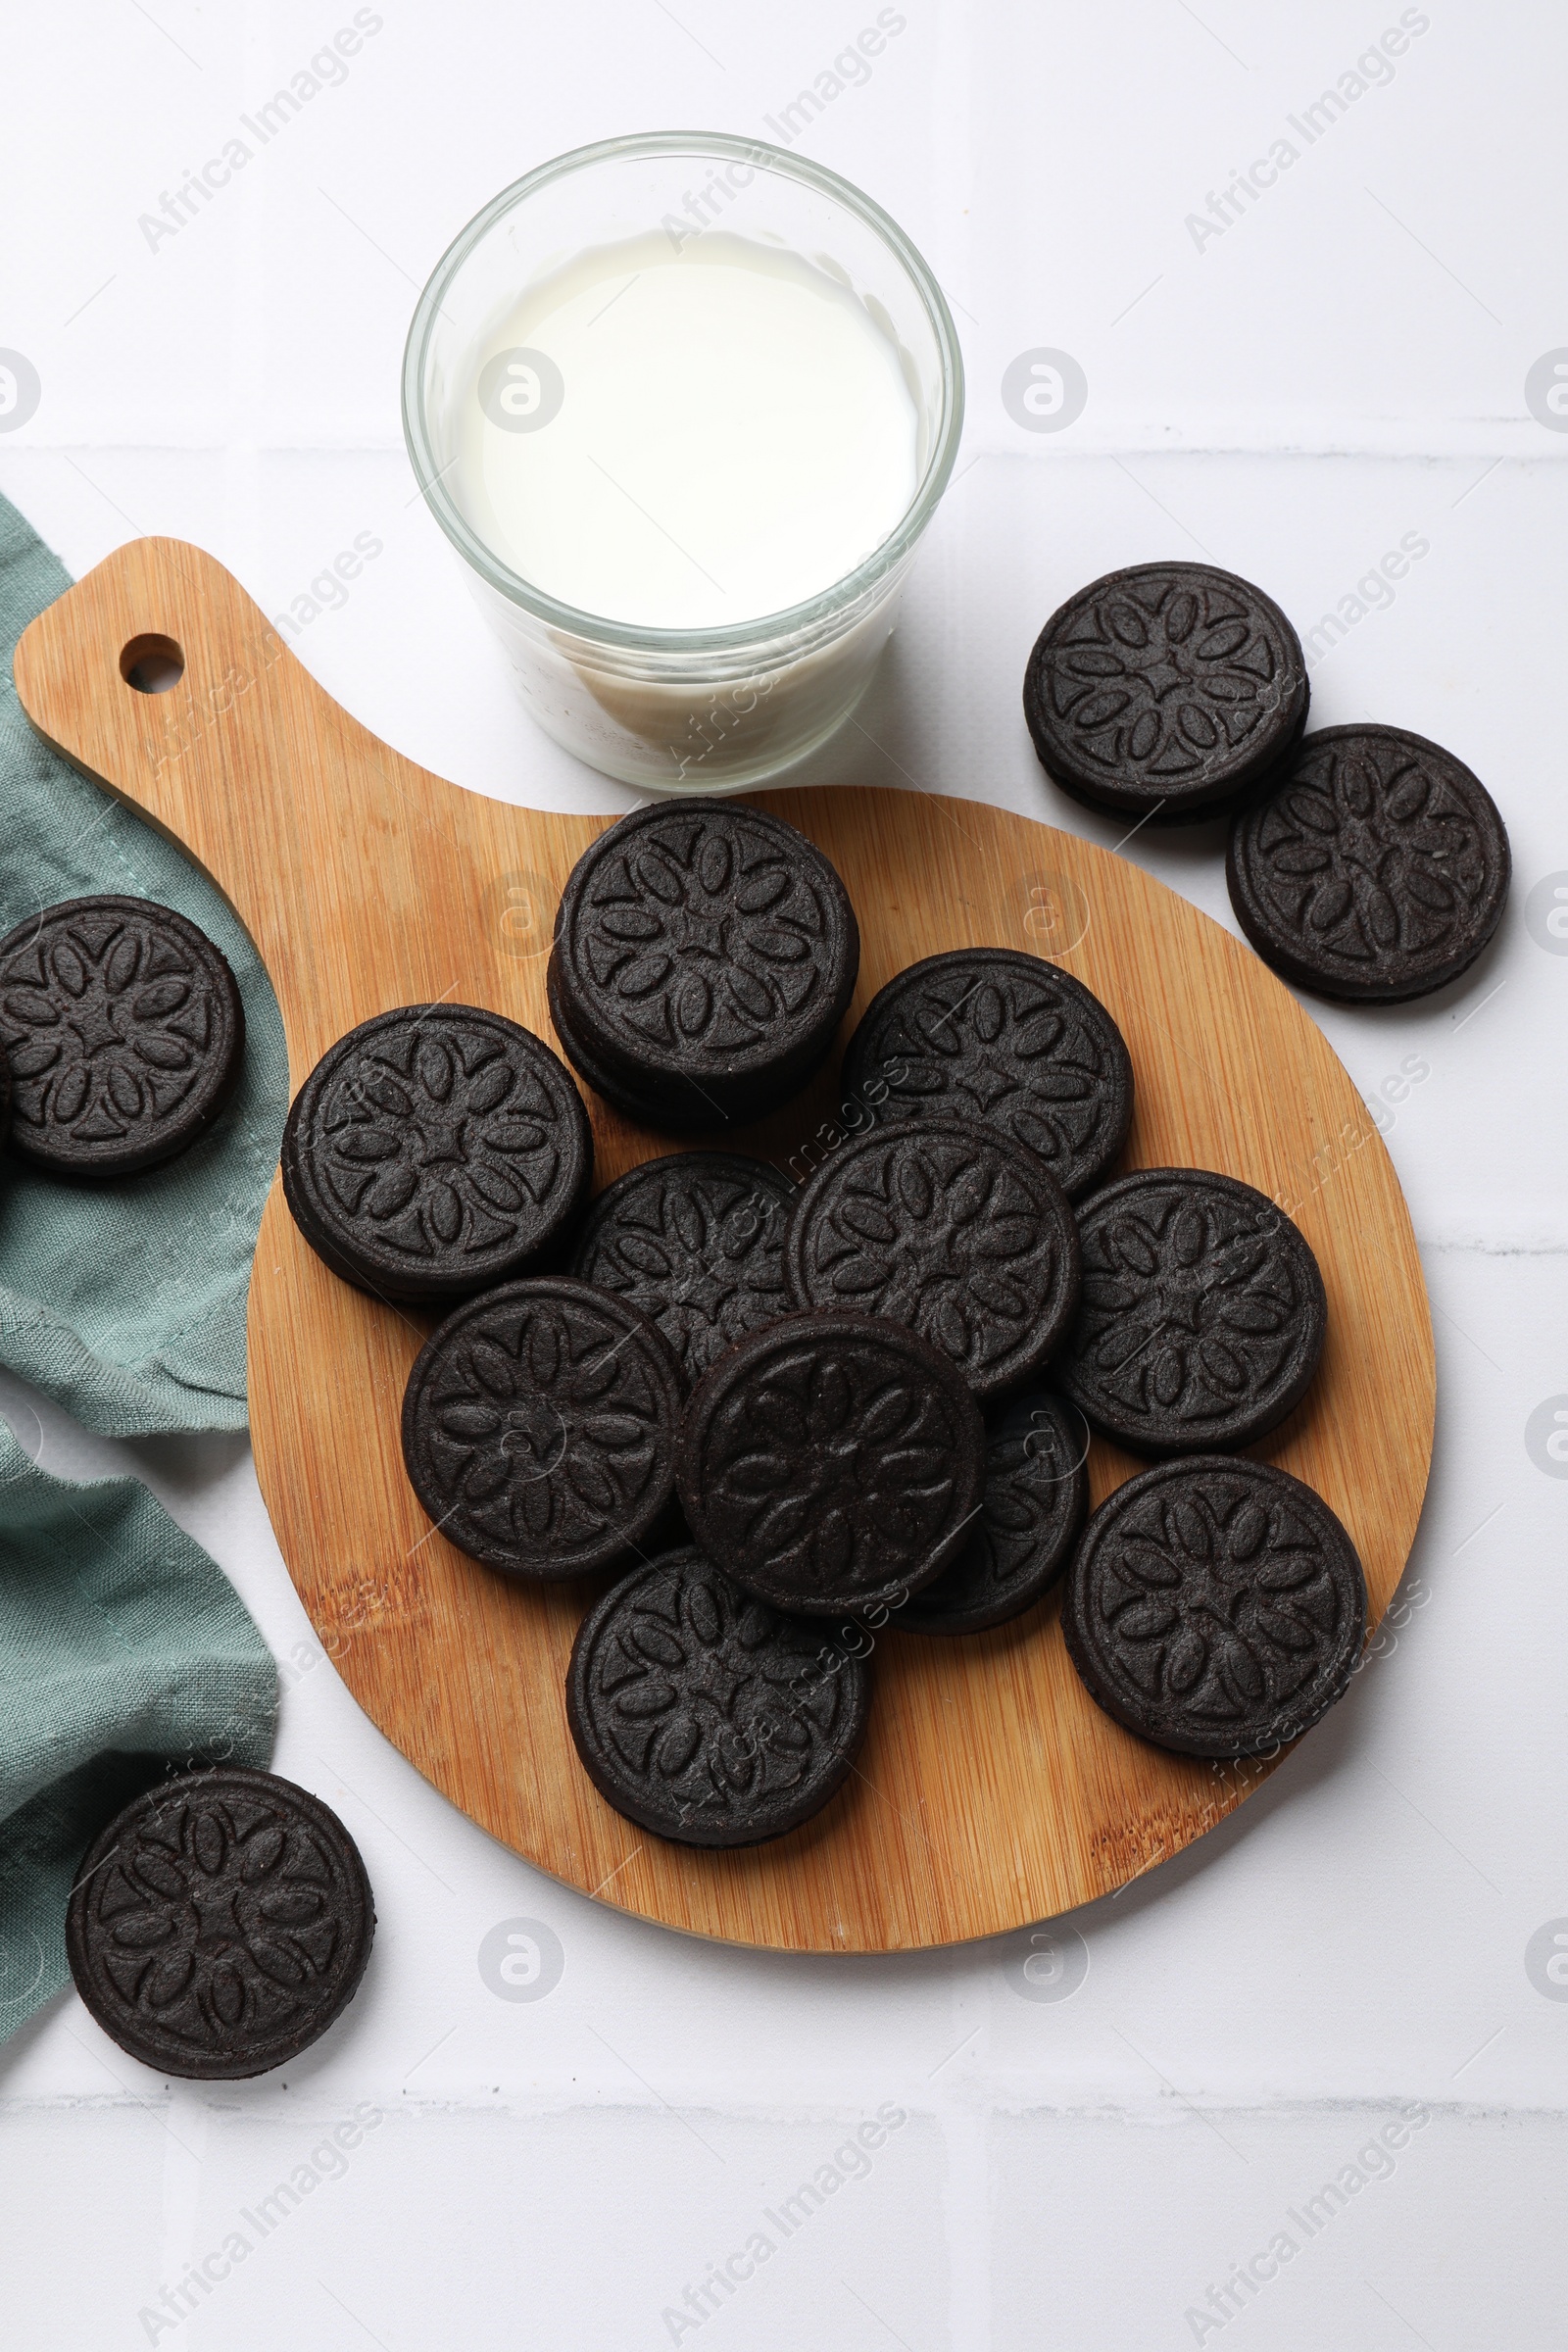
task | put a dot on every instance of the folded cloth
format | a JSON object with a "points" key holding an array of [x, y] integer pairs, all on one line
{"points": [[124, 1649], [125, 1299]]}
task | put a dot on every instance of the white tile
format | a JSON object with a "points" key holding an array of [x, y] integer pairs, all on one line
{"points": [[1349, 2225]]}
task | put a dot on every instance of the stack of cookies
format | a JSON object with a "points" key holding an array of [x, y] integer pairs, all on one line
{"points": [[704, 957], [784, 1416]]}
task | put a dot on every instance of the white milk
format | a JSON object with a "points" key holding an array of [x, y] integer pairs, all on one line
{"points": [[729, 432]]}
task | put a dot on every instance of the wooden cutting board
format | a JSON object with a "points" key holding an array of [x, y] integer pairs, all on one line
{"points": [[992, 1792]]}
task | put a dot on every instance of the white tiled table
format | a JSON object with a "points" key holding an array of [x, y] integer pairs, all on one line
{"points": [[1340, 369]]}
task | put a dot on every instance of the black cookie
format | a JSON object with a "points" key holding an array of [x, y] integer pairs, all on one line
{"points": [[831, 1463], [434, 1151], [987, 1033], [220, 1924], [697, 1240], [1164, 691], [1375, 871], [539, 1427], [684, 1109], [702, 951], [1036, 1494], [1203, 1315], [949, 1227], [1216, 1607], [124, 1033], [706, 1716]]}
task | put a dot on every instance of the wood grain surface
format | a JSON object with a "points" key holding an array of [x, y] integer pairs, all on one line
{"points": [[991, 1791]]}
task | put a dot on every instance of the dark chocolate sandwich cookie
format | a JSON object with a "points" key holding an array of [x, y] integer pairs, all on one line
{"points": [[705, 954], [1376, 869], [220, 1924], [949, 1227], [1216, 1607], [1166, 691], [1036, 1494], [124, 1034], [697, 1240], [539, 1427], [1203, 1315], [987, 1033], [831, 1463], [646, 1110], [706, 1716], [697, 1107], [434, 1151]]}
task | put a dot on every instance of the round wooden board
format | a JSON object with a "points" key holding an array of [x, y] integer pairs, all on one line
{"points": [[991, 1791]]}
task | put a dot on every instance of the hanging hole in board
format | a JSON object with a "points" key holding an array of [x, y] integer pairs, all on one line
{"points": [[152, 665]]}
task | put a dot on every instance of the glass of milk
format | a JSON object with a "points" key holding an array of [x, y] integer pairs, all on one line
{"points": [[684, 404]]}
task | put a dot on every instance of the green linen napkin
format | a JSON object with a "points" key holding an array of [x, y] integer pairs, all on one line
{"points": [[123, 1648], [125, 1301]]}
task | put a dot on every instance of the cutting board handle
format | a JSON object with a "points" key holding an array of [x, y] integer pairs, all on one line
{"points": [[168, 753], [312, 827]]}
